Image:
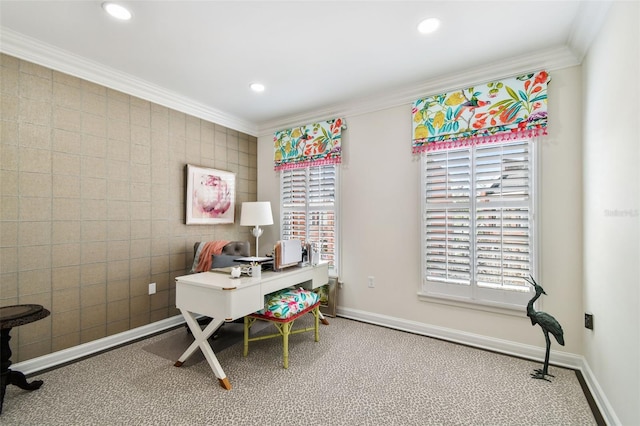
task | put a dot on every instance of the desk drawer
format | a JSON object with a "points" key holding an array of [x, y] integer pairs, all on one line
{"points": [[320, 275], [218, 303]]}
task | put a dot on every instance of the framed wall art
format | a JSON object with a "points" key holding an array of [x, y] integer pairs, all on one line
{"points": [[211, 196]]}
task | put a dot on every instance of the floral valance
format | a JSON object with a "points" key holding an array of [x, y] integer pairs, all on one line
{"points": [[501, 110], [313, 144]]}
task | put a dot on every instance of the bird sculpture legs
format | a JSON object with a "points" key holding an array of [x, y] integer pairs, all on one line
{"points": [[542, 373]]}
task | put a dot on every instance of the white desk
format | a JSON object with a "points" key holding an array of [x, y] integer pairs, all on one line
{"points": [[222, 298]]}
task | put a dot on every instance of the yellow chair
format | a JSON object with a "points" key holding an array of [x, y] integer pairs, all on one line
{"points": [[281, 310]]}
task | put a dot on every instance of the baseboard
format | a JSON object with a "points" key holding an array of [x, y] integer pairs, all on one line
{"points": [[562, 359], [65, 356], [606, 410], [535, 353]]}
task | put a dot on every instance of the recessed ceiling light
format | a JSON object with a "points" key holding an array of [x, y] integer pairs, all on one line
{"points": [[429, 25], [257, 87], [117, 11]]}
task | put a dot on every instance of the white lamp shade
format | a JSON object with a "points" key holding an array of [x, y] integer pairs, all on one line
{"points": [[256, 213]]}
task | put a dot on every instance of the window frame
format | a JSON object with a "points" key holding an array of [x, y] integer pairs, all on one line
{"points": [[472, 295], [333, 269]]}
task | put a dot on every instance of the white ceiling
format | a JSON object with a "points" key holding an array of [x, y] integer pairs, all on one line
{"points": [[315, 58]]}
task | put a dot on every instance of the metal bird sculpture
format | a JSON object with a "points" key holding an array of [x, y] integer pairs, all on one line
{"points": [[548, 324]]}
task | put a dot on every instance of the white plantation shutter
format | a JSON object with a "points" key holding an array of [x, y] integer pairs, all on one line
{"points": [[447, 217], [294, 201], [478, 222], [322, 199], [308, 208], [503, 215]]}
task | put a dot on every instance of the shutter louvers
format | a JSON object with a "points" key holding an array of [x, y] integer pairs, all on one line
{"points": [[502, 215], [322, 230], [294, 188], [308, 197], [478, 223], [321, 211], [294, 200], [322, 183], [448, 245], [294, 225], [447, 197]]}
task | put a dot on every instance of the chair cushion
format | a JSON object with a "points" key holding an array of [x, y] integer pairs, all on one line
{"points": [[224, 260], [232, 248], [286, 303], [237, 248]]}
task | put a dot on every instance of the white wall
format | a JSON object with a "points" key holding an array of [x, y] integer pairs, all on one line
{"points": [[611, 209], [381, 222], [589, 218]]}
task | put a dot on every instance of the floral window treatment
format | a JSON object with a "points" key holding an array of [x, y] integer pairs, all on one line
{"points": [[311, 145], [501, 110]]}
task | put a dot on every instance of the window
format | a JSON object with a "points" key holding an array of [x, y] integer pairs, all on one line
{"points": [[308, 209], [478, 223]]}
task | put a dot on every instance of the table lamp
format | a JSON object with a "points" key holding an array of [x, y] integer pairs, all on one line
{"points": [[256, 213]]}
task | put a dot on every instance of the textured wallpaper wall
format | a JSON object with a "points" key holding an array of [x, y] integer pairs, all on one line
{"points": [[92, 204]]}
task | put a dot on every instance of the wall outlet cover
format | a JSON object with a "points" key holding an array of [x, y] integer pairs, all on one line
{"points": [[588, 321]]}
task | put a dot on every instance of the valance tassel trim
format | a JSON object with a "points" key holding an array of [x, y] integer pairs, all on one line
{"points": [[480, 140], [304, 164]]}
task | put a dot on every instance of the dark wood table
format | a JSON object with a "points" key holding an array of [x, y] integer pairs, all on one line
{"points": [[14, 316]]}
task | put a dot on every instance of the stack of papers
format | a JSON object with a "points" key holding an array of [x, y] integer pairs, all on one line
{"points": [[254, 259]]}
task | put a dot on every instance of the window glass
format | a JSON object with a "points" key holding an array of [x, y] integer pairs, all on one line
{"points": [[308, 209]]}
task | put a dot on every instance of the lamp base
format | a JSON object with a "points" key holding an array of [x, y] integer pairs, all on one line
{"points": [[257, 231]]}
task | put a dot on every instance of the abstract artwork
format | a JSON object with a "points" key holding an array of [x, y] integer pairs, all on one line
{"points": [[211, 196]]}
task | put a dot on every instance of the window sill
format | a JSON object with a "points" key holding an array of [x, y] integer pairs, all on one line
{"points": [[477, 305]]}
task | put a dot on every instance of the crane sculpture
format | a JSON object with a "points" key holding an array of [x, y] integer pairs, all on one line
{"points": [[548, 324]]}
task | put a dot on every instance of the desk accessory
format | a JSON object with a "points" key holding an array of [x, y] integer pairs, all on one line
{"points": [[236, 271], [287, 253], [254, 214]]}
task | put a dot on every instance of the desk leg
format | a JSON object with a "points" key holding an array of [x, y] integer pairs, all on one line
{"points": [[201, 342]]}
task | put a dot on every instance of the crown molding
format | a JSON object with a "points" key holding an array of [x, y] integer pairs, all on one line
{"points": [[586, 26], [26, 48], [550, 59], [23, 47]]}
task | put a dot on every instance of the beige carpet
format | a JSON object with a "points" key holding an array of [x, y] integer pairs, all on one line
{"points": [[174, 344], [358, 374]]}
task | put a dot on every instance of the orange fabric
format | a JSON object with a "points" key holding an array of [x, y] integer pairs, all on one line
{"points": [[210, 248]]}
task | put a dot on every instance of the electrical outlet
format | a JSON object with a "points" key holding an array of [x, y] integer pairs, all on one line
{"points": [[588, 321], [152, 288], [372, 282]]}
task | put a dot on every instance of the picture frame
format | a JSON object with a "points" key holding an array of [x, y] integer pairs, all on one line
{"points": [[210, 196]]}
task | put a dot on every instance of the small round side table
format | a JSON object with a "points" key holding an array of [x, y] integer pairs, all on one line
{"points": [[14, 316]]}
